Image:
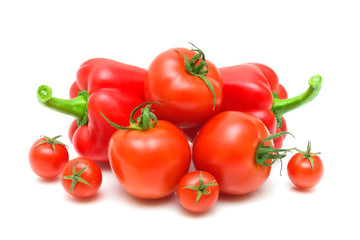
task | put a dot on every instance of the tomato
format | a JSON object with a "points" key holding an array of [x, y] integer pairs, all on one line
{"points": [[48, 156], [198, 191], [235, 148], [190, 93], [305, 169], [149, 157], [81, 177]]}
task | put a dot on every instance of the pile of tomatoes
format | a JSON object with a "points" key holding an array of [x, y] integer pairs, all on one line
{"points": [[232, 151]]}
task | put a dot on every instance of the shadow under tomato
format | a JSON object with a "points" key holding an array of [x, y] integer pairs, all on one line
{"points": [[209, 212], [48, 180], [88, 200], [227, 198], [303, 190], [147, 202]]}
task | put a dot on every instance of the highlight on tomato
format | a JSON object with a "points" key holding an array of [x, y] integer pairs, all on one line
{"points": [[305, 169], [149, 156], [48, 156], [237, 149], [81, 177], [188, 86], [198, 191]]}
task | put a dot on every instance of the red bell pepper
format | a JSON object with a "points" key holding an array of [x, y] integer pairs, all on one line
{"points": [[102, 85], [255, 88]]}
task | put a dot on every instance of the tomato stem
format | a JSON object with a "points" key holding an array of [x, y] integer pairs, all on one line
{"points": [[201, 189], [76, 177], [282, 106], [308, 154], [267, 155], [197, 66], [51, 141], [145, 121], [76, 107]]}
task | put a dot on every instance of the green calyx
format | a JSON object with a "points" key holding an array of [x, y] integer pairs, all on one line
{"points": [[145, 121], [267, 155], [282, 106], [201, 189], [198, 67], [308, 155], [76, 107], [51, 141], [76, 177]]}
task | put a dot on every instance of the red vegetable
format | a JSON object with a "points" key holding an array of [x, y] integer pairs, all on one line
{"points": [[149, 157], [198, 191], [81, 177], [102, 85], [48, 156], [187, 85], [235, 147], [305, 169], [254, 88]]}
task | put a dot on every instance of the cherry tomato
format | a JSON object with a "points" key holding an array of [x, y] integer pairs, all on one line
{"points": [[190, 93], [149, 157], [198, 191], [230, 146], [81, 177], [48, 156], [305, 169]]}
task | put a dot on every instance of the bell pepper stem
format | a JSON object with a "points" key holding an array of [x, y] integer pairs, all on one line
{"points": [[282, 106], [76, 107]]}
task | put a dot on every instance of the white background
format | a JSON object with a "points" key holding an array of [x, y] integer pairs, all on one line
{"points": [[44, 42]]}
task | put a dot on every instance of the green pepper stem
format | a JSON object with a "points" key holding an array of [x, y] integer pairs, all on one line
{"points": [[282, 106], [76, 107]]}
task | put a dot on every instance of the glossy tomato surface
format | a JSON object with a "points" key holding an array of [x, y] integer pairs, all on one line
{"points": [[150, 163], [302, 174], [46, 161], [186, 99], [91, 174], [187, 196], [225, 147]]}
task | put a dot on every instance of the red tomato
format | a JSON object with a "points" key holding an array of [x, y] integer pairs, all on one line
{"points": [[149, 157], [305, 169], [81, 177], [186, 98], [48, 157], [227, 146], [198, 191]]}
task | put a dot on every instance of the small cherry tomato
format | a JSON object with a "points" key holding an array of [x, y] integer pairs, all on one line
{"points": [[198, 191], [81, 177], [48, 156], [305, 169]]}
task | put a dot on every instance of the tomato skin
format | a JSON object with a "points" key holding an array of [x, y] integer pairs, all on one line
{"points": [[92, 175], [44, 161], [187, 197], [225, 147], [301, 173], [149, 164], [185, 99]]}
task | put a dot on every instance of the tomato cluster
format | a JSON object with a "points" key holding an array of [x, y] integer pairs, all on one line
{"points": [[232, 151]]}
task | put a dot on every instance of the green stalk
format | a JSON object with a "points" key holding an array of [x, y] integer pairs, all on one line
{"points": [[76, 107], [282, 106]]}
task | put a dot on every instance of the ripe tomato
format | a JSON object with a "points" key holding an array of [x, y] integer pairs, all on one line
{"points": [[48, 156], [149, 157], [231, 146], [198, 191], [187, 99], [305, 169], [81, 177]]}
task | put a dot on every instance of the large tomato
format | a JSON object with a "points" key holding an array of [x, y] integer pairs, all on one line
{"points": [[149, 157], [188, 87], [231, 146]]}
